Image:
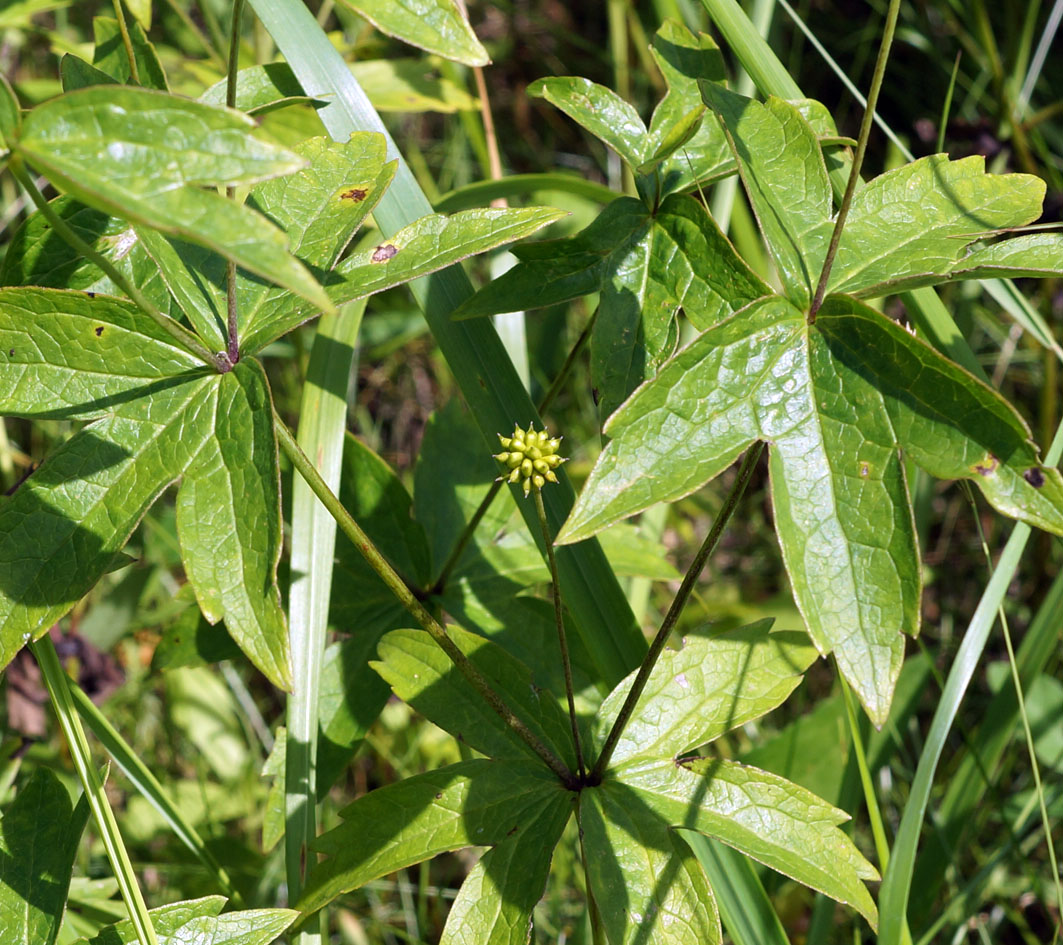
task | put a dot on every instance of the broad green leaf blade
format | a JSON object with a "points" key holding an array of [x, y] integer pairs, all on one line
{"points": [[421, 674], [647, 884], [197, 922], [1033, 256], [436, 26], [319, 208], [39, 836], [102, 145], [951, 424], [229, 520], [75, 73], [70, 355], [110, 54], [260, 89], [474, 803], [683, 59], [600, 110], [688, 424], [37, 256], [553, 271], [710, 686], [109, 139], [784, 174], [494, 905], [762, 815], [918, 219], [60, 530], [425, 246]]}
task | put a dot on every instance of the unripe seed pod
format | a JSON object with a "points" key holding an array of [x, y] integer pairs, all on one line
{"points": [[531, 457]]}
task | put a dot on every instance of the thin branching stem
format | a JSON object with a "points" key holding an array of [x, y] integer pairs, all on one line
{"points": [[123, 29], [745, 471], [178, 332], [440, 583], [858, 158], [232, 351], [562, 639], [406, 597]]}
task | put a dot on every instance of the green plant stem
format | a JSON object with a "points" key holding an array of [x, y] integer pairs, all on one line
{"points": [[178, 8], [440, 583], [232, 351], [55, 682], [745, 471], [559, 620], [179, 333], [406, 597], [858, 158], [123, 29]]}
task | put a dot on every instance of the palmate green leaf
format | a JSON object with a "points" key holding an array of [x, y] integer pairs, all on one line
{"points": [[199, 922], [646, 266], [710, 686], [783, 172], [66, 354], [837, 402], [917, 221], [474, 803], [37, 256], [103, 146], [600, 110], [761, 815], [494, 905], [229, 521], [110, 56], [436, 26], [319, 207], [648, 886], [39, 836], [421, 674], [425, 246]]}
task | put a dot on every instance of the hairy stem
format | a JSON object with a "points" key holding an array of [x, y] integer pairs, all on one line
{"points": [[858, 158], [559, 620], [745, 471], [406, 597], [178, 332]]}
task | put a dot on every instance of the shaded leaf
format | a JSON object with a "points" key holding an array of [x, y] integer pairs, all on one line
{"points": [[229, 521], [783, 171], [39, 836], [66, 354], [474, 803], [110, 55], [75, 73], [760, 814], [421, 674], [10, 114], [60, 530], [647, 884], [710, 686], [494, 905]]}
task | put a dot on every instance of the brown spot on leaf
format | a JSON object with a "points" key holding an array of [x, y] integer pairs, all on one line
{"points": [[1034, 477], [987, 465], [99, 330], [383, 253], [11, 353], [357, 194], [439, 795], [91, 295], [512, 830]]}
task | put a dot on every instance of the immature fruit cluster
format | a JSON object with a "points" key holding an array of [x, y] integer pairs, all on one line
{"points": [[530, 456]]}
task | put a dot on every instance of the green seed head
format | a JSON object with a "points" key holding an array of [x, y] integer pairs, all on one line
{"points": [[530, 457]]}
